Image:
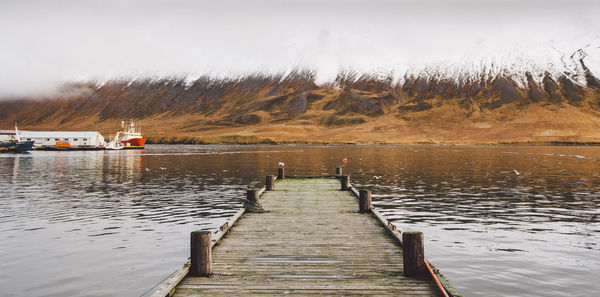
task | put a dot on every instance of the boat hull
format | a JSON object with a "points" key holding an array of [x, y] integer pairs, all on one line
{"points": [[24, 146], [137, 142], [21, 146]]}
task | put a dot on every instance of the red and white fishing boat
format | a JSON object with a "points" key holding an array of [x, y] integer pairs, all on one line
{"points": [[130, 135]]}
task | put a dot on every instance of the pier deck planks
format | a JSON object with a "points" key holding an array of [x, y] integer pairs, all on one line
{"points": [[309, 241]]}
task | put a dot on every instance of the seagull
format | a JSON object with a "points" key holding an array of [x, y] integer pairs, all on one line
{"points": [[377, 176], [281, 164], [163, 168], [516, 172], [147, 169]]}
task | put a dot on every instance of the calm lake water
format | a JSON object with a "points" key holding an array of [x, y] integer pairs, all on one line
{"points": [[116, 223]]}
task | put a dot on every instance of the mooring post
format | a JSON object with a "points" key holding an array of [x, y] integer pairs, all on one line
{"points": [[345, 182], [280, 173], [252, 195], [338, 171], [364, 201], [270, 182], [413, 254], [200, 253]]}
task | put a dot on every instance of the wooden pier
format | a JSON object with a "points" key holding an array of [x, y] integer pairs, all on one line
{"points": [[306, 236]]}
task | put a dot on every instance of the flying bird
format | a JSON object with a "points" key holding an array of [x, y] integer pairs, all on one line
{"points": [[516, 172]]}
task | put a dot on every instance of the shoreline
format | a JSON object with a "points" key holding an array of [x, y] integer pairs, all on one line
{"points": [[252, 140]]}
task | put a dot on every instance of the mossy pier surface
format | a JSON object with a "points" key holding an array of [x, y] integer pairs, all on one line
{"points": [[309, 240]]}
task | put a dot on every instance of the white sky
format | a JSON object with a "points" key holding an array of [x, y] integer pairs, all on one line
{"points": [[44, 43]]}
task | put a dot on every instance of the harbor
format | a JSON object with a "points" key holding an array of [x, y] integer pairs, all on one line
{"points": [[127, 137]]}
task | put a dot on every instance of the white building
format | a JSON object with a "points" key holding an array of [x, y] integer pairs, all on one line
{"points": [[75, 138]]}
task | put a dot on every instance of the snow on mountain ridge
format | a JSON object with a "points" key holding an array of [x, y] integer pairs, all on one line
{"points": [[514, 66]]}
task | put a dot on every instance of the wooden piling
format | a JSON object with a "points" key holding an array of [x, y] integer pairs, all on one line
{"points": [[200, 253], [280, 173], [364, 201], [345, 180], [270, 182], [413, 254], [338, 171], [252, 195]]}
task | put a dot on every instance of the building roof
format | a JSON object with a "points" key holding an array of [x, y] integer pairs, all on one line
{"points": [[7, 132], [59, 134]]}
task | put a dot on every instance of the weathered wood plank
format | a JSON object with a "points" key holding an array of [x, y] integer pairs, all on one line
{"points": [[396, 233], [310, 240], [262, 191], [227, 226], [166, 287]]}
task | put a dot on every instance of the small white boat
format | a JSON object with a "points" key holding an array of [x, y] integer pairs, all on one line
{"points": [[114, 144], [111, 145]]}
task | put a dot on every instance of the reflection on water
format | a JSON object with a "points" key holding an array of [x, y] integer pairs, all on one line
{"points": [[117, 222]]}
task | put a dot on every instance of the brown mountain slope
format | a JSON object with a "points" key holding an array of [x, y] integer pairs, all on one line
{"points": [[353, 109]]}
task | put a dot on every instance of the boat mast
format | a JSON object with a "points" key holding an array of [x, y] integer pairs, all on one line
{"points": [[17, 132]]}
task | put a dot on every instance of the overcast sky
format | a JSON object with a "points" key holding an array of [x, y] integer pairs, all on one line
{"points": [[44, 43]]}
